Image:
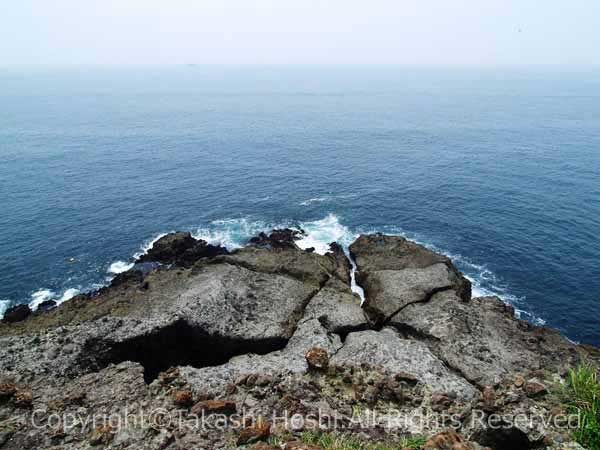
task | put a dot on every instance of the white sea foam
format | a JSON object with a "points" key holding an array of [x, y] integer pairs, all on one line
{"points": [[232, 233], [4, 304], [40, 296], [325, 198], [354, 285], [147, 245], [320, 233], [68, 295], [119, 267], [310, 201]]}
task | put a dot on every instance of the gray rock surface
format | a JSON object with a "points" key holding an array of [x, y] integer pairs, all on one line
{"points": [[337, 308], [239, 327], [395, 272], [483, 340], [386, 350]]}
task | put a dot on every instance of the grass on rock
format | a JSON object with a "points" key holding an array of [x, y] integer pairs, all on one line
{"points": [[582, 397], [333, 441]]}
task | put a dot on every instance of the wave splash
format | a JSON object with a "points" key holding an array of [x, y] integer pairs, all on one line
{"points": [[321, 233], [46, 294], [4, 305], [119, 267]]}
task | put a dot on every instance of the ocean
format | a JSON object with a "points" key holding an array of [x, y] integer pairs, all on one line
{"points": [[498, 168]]}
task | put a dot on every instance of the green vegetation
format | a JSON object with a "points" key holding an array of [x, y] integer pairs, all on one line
{"points": [[582, 396], [333, 441]]}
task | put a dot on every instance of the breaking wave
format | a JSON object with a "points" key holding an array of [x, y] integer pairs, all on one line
{"points": [[119, 267], [4, 305], [46, 294]]}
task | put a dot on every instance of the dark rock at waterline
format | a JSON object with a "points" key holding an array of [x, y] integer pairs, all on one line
{"points": [[17, 313], [169, 247], [181, 249], [278, 238], [201, 250], [129, 276], [343, 266], [46, 305]]}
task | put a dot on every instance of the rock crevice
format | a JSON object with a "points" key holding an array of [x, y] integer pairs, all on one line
{"points": [[177, 344]]}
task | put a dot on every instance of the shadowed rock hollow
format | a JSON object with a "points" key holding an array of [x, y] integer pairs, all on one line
{"points": [[237, 327]]}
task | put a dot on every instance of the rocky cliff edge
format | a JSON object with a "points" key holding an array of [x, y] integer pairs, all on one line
{"points": [[270, 331]]}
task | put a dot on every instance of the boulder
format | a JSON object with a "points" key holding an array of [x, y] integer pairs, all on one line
{"points": [[389, 291], [169, 248], [7, 390], [293, 262], [23, 398], [343, 266], [317, 358], [183, 398], [535, 388]]}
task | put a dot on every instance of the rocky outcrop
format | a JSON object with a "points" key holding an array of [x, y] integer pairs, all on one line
{"points": [[274, 329], [483, 340], [395, 273], [180, 249]]}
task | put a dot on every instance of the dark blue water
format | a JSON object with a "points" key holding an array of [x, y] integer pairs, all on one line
{"points": [[500, 169]]}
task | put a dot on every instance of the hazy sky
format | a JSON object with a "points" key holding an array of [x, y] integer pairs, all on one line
{"points": [[485, 32]]}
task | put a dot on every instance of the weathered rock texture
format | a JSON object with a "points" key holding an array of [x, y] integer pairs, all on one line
{"points": [[272, 329]]}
